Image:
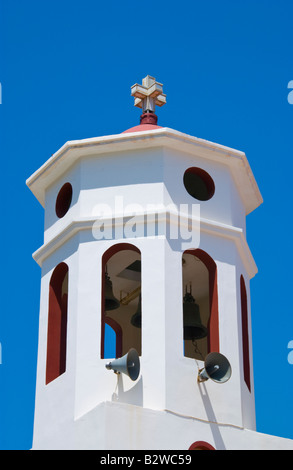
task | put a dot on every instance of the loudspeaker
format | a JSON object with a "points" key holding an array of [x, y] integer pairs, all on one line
{"points": [[216, 367], [129, 364]]}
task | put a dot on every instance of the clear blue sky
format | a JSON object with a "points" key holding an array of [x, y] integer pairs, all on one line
{"points": [[66, 70]]}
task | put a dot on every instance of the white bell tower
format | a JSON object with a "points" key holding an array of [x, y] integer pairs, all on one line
{"points": [[145, 248]]}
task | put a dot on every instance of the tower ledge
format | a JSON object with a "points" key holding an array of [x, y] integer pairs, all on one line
{"points": [[141, 138]]}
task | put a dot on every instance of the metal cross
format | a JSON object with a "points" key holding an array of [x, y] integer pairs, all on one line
{"points": [[148, 95]]}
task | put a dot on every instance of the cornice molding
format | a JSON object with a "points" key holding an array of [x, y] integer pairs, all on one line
{"points": [[72, 151], [218, 229]]}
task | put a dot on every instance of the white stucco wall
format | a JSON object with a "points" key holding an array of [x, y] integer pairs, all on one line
{"points": [[118, 426]]}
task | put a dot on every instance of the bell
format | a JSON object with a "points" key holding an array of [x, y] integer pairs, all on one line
{"points": [[193, 328], [136, 318], [111, 303]]}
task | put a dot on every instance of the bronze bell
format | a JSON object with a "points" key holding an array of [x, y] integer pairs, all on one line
{"points": [[111, 303], [193, 328], [136, 318]]}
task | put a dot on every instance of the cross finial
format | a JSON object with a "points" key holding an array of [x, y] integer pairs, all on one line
{"points": [[148, 95]]}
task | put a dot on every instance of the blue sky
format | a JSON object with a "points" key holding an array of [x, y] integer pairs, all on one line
{"points": [[66, 70]]}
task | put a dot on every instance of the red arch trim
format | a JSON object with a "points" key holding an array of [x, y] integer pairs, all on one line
{"points": [[245, 335], [57, 325], [213, 326], [114, 249], [105, 258], [201, 445]]}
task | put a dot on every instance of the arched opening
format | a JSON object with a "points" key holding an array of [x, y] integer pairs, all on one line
{"points": [[121, 300], [112, 338], [201, 445], [57, 323], [200, 304], [245, 334]]}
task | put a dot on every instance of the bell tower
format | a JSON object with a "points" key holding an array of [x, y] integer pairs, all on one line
{"points": [[145, 261]]}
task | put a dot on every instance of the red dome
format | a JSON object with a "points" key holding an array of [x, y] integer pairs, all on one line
{"points": [[142, 127], [148, 122]]}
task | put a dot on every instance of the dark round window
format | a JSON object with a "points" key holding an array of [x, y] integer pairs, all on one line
{"points": [[199, 184], [63, 200]]}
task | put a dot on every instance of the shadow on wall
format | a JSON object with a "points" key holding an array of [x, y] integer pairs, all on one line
{"points": [[219, 443], [133, 396]]}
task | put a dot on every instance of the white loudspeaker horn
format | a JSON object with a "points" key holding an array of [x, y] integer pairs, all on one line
{"points": [[216, 367], [129, 364]]}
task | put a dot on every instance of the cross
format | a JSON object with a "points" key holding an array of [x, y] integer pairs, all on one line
{"points": [[148, 95]]}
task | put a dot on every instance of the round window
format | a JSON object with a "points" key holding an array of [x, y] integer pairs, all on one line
{"points": [[63, 200], [199, 184]]}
